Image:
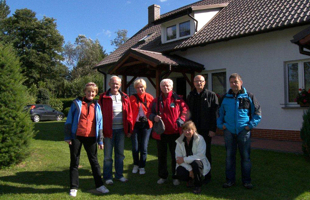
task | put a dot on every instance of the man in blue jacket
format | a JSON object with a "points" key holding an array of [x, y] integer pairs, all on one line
{"points": [[239, 112]]}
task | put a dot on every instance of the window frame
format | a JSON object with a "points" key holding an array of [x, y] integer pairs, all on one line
{"points": [[301, 78], [177, 23], [208, 76]]}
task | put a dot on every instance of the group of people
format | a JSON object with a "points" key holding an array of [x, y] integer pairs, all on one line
{"points": [[188, 130]]}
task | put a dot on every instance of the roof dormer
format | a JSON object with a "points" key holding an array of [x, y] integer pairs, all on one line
{"points": [[185, 23]]}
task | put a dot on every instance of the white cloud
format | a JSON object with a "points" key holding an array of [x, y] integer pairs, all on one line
{"points": [[105, 32], [162, 1]]}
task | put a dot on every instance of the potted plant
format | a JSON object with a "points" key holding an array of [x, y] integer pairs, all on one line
{"points": [[303, 97]]}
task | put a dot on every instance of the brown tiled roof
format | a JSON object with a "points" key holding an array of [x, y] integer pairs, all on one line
{"points": [[238, 19], [173, 60]]}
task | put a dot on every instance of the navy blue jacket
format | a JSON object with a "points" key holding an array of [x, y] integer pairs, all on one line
{"points": [[238, 111]]}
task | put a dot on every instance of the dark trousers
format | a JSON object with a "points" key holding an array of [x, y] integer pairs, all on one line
{"points": [[166, 140], [90, 146], [208, 140], [183, 174]]}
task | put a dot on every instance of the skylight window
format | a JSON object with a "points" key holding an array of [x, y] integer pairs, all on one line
{"points": [[145, 38]]}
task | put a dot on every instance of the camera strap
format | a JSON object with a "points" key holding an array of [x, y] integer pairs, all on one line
{"points": [[139, 100]]}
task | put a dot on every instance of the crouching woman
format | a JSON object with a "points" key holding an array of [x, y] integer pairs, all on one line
{"points": [[84, 127], [192, 163]]}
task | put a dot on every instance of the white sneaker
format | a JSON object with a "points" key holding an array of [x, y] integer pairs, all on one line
{"points": [[161, 181], [109, 182], [73, 192], [135, 169], [123, 179], [103, 189], [176, 182], [141, 171]]}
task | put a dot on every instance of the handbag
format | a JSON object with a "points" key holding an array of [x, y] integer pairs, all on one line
{"points": [[159, 127]]}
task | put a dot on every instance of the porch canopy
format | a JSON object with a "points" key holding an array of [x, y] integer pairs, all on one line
{"points": [[150, 64], [302, 39]]}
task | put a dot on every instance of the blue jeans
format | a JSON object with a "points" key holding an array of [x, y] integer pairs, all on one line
{"points": [[117, 141], [140, 141], [243, 141]]}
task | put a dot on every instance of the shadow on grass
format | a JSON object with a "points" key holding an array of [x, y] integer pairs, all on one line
{"points": [[51, 130]]}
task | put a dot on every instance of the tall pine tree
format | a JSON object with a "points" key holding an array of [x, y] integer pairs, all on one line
{"points": [[16, 128]]}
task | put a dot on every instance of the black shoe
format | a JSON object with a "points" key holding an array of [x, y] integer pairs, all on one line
{"points": [[228, 184], [248, 185], [197, 190]]}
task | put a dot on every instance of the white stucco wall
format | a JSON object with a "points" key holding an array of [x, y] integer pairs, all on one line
{"points": [[260, 62]]}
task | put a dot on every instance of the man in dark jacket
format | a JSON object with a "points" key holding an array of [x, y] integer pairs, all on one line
{"points": [[239, 113], [203, 105]]}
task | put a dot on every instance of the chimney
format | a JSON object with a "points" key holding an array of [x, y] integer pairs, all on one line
{"points": [[154, 13]]}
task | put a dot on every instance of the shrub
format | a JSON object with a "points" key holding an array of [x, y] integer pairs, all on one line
{"points": [[56, 104], [16, 129], [66, 111], [305, 133], [43, 96]]}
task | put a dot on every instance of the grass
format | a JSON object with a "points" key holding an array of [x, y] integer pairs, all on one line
{"points": [[45, 174]]}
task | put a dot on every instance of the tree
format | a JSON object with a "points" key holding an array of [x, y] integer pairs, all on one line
{"points": [[16, 129], [4, 10], [83, 55], [38, 44], [120, 39]]}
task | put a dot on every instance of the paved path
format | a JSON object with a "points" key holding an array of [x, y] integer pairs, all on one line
{"points": [[274, 145]]}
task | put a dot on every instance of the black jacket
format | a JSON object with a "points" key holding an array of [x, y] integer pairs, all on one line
{"points": [[203, 108]]}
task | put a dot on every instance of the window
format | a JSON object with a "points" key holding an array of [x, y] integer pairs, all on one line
{"points": [[298, 76], [184, 29], [219, 83], [171, 32], [175, 31], [216, 82]]}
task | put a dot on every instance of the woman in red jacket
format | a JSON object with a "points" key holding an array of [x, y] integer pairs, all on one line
{"points": [[142, 126]]}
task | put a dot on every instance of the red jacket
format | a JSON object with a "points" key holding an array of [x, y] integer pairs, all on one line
{"points": [[135, 106], [106, 102], [173, 111]]}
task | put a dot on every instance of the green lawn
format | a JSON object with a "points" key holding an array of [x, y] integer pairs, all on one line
{"points": [[45, 175]]}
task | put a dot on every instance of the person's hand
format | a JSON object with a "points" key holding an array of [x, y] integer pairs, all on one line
{"points": [[156, 118], [180, 160], [68, 141], [100, 146], [129, 135], [191, 174], [211, 133], [224, 127], [247, 128]]}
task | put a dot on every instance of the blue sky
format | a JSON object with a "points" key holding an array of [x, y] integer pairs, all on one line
{"points": [[96, 19]]}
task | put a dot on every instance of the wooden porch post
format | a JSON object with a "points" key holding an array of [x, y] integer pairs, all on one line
{"points": [[124, 83], [157, 83]]}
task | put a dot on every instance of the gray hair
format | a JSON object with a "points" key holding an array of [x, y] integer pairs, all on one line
{"points": [[118, 78], [235, 75], [168, 80]]}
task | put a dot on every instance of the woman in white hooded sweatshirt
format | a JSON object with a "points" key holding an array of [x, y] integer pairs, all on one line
{"points": [[192, 163]]}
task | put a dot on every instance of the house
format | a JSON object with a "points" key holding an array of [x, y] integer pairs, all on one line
{"points": [[217, 38]]}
